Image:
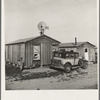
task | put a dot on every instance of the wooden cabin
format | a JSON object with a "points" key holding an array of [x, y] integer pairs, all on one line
{"points": [[85, 49], [31, 51]]}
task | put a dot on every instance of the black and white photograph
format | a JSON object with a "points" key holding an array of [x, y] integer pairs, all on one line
{"points": [[51, 45]]}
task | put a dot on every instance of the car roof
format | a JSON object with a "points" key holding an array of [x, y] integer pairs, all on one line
{"points": [[66, 52]]}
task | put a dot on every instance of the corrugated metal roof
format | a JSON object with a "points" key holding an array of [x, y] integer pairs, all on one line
{"points": [[29, 39], [73, 44]]}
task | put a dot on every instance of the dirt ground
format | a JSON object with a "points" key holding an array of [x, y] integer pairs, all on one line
{"points": [[50, 79]]}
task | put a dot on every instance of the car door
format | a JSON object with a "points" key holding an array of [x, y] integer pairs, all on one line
{"points": [[71, 58], [76, 59]]}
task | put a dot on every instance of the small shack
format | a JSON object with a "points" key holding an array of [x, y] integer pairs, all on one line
{"points": [[32, 51], [85, 49]]}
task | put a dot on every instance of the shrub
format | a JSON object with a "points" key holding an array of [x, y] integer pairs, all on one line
{"points": [[11, 70]]}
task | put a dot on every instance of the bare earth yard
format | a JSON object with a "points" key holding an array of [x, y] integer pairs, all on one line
{"points": [[44, 78]]}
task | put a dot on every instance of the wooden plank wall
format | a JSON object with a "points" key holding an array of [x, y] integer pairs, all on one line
{"points": [[46, 53], [80, 50], [22, 51], [46, 50], [6, 53], [10, 53], [26, 51], [91, 51], [92, 54], [13, 52], [28, 54]]}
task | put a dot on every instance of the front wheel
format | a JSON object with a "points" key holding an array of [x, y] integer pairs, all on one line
{"points": [[67, 67]]}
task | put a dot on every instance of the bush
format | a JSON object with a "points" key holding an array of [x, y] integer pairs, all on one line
{"points": [[11, 70]]}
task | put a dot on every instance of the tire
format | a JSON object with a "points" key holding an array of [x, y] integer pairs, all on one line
{"points": [[67, 67], [80, 62], [85, 65]]}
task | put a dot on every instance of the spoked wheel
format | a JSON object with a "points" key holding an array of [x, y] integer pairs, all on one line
{"points": [[67, 67]]}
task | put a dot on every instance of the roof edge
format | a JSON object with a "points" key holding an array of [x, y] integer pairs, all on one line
{"points": [[11, 43]]}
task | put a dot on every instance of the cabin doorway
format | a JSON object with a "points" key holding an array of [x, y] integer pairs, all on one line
{"points": [[86, 54]]}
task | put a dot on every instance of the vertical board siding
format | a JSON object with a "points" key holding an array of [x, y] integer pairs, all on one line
{"points": [[92, 54], [6, 51], [31, 52], [81, 51], [91, 51], [15, 51], [27, 56], [10, 53], [45, 53], [22, 51], [42, 53], [15, 54], [28, 52], [51, 51]]}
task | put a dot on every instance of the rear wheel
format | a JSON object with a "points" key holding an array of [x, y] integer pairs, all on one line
{"points": [[85, 65], [67, 67]]}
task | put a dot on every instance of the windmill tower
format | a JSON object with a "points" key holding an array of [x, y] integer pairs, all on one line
{"points": [[42, 27]]}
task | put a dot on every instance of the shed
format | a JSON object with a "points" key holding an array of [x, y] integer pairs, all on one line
{"points": [[85, 49], [32, 51]]}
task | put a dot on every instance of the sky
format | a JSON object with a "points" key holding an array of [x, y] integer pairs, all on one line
{"points": [[66, 19]]}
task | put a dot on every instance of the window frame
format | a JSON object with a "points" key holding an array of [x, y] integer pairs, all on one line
{"points": [[38, 52], [86, 50]]}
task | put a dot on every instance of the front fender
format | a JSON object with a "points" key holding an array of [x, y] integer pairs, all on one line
{"points": [[66, 61]]}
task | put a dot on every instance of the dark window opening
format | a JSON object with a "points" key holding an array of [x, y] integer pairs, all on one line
{"points": [[71, 51], [36, 52], [85, 50]]}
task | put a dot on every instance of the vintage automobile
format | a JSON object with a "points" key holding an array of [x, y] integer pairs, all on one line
{"points": [[68, 60]]}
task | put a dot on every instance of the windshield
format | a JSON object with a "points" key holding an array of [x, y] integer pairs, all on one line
{"points": [[67, 55]]}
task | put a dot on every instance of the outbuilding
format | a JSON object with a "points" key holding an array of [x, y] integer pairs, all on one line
{"points": [[31, 51], [85, 49]]}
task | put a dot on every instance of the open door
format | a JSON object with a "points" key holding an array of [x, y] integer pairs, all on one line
{"points": [[86, 54]]}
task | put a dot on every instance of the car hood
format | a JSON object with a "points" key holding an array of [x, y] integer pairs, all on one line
{"points": [[57, 58]]}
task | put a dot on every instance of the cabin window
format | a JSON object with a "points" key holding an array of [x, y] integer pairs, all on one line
{"points": [[36, 52], [56, 55], [70, 56], [67, 55], [62, 49], [53, 49], [86, 50]]}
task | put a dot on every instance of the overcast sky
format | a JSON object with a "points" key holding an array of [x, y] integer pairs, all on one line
{"points": [[66, 19]]}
